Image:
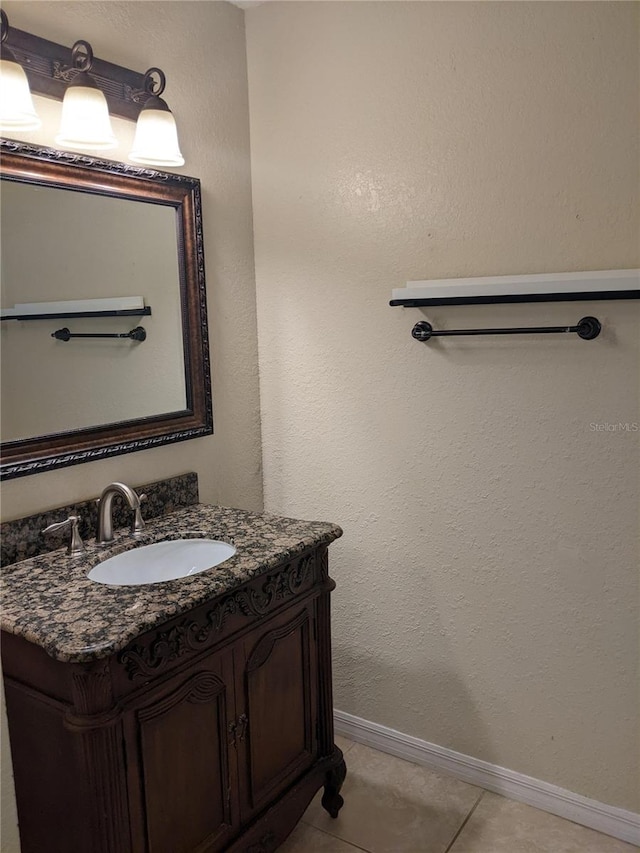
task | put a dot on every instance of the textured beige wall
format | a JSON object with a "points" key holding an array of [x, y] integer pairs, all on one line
{"points": [[488, 576], [201, 48]]}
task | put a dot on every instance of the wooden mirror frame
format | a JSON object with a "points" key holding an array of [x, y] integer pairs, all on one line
{"points": [[32, 164]]}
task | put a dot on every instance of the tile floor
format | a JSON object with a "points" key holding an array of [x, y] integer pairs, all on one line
{"points": [[392, 806]]}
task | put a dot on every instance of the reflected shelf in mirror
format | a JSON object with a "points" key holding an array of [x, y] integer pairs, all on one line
{"points": [[140, 312], [123, 306]]}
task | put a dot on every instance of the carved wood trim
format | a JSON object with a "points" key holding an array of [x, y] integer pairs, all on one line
{"points": [[325, 686], [191, 635], [323, 558], [331, 800], [103, 758], [265, 645], [200, 688], [115, 167], [92, 693], [93, 700], [84, 723]]}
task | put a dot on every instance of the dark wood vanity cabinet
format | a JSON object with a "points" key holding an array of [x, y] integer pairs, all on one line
{"points": [[211, 732]]}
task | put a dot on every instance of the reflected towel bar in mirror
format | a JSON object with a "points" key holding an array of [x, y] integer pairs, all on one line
{"points": [[137, 334], [588, 328]]}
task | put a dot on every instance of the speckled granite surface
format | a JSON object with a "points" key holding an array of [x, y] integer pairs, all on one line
{"points": [[23, 537], [49, 600]]}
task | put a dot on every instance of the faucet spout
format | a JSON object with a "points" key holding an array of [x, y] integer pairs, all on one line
{"points": [[105, 511]]}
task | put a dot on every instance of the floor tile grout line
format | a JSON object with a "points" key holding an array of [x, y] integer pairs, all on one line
{"points": [[337, 837], [352, 743], [465, 822]]}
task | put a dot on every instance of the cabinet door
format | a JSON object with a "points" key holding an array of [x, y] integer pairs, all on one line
{"points": [[181, 772], [277, 705]]}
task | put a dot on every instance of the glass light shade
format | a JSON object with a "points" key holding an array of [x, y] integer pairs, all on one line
{"points": [[85, 122], [16, 106], [156, 139]]}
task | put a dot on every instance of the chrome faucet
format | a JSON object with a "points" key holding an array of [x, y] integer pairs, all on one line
{"points": [[105, 513]]}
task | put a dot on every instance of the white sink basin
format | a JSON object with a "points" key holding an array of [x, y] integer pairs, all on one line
{"points": [[162, 561]]}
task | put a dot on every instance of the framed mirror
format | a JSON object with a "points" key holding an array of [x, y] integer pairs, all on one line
{"points": [[104, 322]]}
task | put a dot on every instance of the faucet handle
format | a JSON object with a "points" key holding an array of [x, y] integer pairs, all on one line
{"points": [[138, 521], [76, 545]]}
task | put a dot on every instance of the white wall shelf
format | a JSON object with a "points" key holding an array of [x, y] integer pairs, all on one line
{"points": [[125, 306], [547, 287]]}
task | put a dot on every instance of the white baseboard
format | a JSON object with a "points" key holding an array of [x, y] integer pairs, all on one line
{"points": [[610, 820]]}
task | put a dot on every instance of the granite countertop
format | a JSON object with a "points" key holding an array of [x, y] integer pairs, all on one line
{"points": [[49, 600]]}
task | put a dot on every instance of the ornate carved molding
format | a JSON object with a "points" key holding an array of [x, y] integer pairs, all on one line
{"points": [[202, 290], [92, 692], [93, 702], [61, 460], [263, 650], [54, 155], [201, 688], [191, 635], [331, 799], [100, 747], [102, 753], [324, 564]]}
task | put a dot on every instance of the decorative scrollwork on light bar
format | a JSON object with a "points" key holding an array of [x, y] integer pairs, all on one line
{"points": [[50, 68]]}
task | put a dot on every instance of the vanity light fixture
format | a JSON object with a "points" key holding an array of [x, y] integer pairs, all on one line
{"points": [[89, 100], [85, 122], [16, 105], [156, 139]]}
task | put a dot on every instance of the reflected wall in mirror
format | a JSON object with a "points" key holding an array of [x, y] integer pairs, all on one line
{"points": [[78, 228], [76, 235]]}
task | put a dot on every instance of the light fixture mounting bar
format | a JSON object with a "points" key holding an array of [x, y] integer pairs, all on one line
{"points": [[50, 69]]}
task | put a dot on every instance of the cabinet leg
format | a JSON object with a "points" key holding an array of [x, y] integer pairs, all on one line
{"points": [[331, 799]]}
